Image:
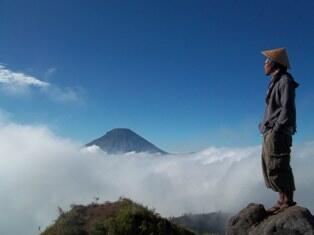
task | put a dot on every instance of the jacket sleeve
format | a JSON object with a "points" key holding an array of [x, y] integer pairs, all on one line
{"points": [[287, 103], [261, 125]]}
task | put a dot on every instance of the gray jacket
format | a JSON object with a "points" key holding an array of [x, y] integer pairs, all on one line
{"points": [[280, 112]]}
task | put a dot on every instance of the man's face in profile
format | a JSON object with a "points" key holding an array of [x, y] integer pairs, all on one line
{"points": [[268, 68]]}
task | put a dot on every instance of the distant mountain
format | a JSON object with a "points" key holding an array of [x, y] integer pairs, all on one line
{"points": [[210, 223], [123, 140]]}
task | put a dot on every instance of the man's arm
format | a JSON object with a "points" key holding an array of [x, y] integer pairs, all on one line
{"points": [[287, 92]]}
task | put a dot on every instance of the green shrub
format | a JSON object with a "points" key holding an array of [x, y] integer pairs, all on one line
{"points": [[120, 218]]}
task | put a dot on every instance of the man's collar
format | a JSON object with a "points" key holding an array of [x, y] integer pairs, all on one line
{"points": [[276, 75]]}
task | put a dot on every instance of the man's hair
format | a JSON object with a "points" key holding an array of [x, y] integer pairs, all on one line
{"points": [[276, 66]]}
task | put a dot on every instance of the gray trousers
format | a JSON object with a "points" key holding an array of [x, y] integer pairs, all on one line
{"points": [[276, 162]]}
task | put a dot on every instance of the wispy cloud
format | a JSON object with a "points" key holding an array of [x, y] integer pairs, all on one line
{"points": [[20, 84], [49, 73], [19, 79], [65, 94], [52, 171], [17, 83]]}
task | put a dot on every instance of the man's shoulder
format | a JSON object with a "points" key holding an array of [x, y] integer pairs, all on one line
{"points": [[286, 79]]}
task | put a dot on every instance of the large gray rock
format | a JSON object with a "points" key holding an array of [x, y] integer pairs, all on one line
{"points": [[254, 220]]}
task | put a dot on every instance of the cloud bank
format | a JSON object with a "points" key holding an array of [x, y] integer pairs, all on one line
{"points": [[40, 171], [21, 84]]}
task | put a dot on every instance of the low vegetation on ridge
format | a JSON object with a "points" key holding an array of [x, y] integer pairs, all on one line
{"points": [[123, 217]]}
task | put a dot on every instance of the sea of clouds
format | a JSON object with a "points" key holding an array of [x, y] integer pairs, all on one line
{"points": [[40, 172]]}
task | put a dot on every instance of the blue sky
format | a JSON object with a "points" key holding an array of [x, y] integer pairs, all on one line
{"points": [[184, 74]]}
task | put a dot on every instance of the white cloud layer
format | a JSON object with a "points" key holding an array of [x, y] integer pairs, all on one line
{"points": [[40, 171], [19, 84]]}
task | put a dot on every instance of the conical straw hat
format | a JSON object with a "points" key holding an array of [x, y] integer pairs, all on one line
{"points": [[278, 55]]}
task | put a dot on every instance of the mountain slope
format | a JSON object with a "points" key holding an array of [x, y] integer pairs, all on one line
{"points": [[123, 140], [210, 223]]}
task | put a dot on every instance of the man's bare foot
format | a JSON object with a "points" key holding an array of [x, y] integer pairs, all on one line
{"points": [[284, 206], [274, 208]]}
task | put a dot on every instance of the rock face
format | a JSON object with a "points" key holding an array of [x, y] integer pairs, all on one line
{"points": [[254, 220], [123, 140]]}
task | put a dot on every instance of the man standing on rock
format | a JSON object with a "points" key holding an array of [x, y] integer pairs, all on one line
{"points": [[277, 127]]}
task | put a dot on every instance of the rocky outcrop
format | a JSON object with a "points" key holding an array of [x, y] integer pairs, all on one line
{"points": [[254, 220]]}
